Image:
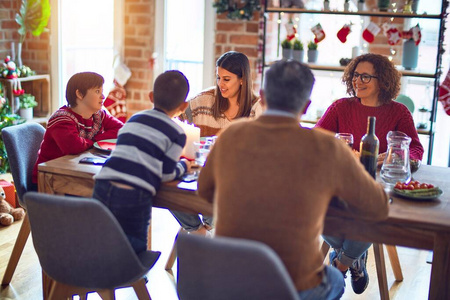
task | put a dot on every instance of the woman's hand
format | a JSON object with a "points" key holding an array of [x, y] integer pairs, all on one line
{"points": [[381, 159]]}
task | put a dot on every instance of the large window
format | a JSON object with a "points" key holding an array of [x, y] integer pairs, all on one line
{"points": [[86, 40], [184, 41]]}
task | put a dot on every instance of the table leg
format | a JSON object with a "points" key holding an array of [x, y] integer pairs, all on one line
{"points": [[440, 270]]}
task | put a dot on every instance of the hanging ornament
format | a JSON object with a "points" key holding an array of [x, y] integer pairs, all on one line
{"points": [[371, 32], [344, 32], [393, 35], [414, 33], [444, 93], [319, 34], [290, 30]]}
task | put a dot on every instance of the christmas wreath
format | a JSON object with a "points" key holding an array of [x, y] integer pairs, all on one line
{"points": [[235, 12]]}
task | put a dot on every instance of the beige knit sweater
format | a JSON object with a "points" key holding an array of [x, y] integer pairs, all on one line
{"points": [[272, 181], [199, 113]]}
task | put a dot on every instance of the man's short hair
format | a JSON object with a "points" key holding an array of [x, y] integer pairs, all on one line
{"points": [[288, 85], [82, 82], [170, 90]]}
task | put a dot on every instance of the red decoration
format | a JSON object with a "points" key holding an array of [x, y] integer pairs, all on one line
{"points": [[319, 34], [392, 33], [115, 103], [444, 93], [371, 32], [344, 32]]}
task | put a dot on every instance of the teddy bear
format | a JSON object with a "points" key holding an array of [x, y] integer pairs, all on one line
{"points": [[8, 214]]}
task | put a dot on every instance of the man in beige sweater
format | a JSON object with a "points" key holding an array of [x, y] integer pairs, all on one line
{"points": [[272, 181]]}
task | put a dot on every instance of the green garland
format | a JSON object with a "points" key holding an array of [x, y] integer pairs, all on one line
{"points": [[241, 13]]}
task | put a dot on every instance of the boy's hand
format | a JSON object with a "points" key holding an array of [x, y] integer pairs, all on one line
{"points": [[188, 164]]}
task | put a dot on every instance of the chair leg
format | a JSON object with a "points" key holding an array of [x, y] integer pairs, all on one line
{"points": [[395, 263], [58, 291], [21, 240], [381, 271], [173, 253], [324, 249], [107, 294], [141, 290]]}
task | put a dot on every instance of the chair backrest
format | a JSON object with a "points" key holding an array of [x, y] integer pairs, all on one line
{"points": [[230, 268], [406, 101], [79, 242], [22, 144]]}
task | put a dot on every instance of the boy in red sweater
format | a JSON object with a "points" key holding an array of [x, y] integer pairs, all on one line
{"points": [[75, 127]]}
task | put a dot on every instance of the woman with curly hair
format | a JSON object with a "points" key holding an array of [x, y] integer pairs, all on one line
{"points": [[374, 83]]}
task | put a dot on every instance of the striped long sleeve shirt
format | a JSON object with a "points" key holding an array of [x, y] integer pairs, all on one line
{"points": [[147, 152]]}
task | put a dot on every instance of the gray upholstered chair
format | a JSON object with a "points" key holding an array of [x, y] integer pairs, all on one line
{"points": [[82, 247], [22, 144], [229, 268]]}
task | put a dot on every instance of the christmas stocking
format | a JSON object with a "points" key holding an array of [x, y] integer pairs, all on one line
{"points": [[416, 34], [319, 34], [371, 32], [392, 33], [290, 30], [343, 32], [444, 93], [115, 103]]}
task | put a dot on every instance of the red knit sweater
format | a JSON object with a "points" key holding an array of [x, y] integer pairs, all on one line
{"points": [[69, 133], [349, 115]]}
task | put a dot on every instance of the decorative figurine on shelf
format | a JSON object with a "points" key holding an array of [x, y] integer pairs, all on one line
{"points": [[326, 5], [11, 71], [292, 3], [346, 5], [361, 5]]}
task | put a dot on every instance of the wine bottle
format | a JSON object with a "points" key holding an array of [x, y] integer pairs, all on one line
{"points": [[369, 148]]}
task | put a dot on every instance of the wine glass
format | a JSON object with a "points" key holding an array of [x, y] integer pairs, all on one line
{"points": [[346, 138]]}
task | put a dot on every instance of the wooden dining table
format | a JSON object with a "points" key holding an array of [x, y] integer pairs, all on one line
{"points": [[415, 224]]}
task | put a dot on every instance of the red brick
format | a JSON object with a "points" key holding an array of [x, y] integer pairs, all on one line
{"points": [[252, 27], [221, 38], [140, 20], [250, 52], [9, 24], [131, 41], [139, 8], [133, 84], [137, 63], [5, 4], [230, 26], [143, 31], [244, 39], [31, 45], [130, 30], [133, 53]]}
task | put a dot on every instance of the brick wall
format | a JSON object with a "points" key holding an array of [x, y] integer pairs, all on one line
{"points": [[138, 49], [35, 50]]}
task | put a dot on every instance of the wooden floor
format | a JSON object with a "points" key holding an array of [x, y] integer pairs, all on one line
{"points": [[26, 283]]}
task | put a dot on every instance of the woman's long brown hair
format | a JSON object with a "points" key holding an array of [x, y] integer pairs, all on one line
{"points": [[238, 64]]}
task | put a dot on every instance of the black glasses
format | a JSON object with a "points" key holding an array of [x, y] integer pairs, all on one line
{"points": [[365, 78]]}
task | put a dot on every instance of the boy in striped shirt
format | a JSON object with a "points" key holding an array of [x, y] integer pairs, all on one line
{"points": [[147, 153]]}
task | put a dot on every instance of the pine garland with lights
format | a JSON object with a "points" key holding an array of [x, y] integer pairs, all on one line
{"points": [[235, 12]]}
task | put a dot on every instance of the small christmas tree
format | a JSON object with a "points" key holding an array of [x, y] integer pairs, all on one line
{"points": [[6, 119]]}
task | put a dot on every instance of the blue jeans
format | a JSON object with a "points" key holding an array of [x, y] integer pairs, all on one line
{"points": [[332, 286], [347, 251], [131, 207]]}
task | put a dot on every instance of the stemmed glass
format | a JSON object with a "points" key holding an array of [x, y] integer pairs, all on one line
{"points": [[346, 138]]}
